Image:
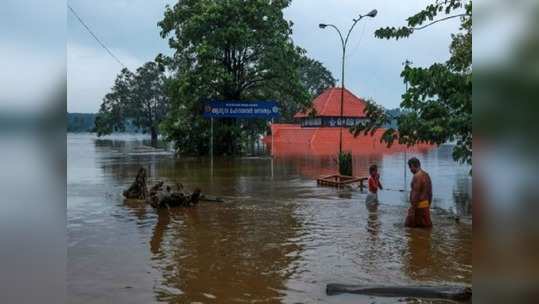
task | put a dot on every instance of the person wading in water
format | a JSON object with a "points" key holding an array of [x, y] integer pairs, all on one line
{"points": [[374, 185], [420, 197]]}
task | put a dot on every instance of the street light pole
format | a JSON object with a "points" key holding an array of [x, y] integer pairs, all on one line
{"points": [[405, 63], [344, 42], [342, 87]]}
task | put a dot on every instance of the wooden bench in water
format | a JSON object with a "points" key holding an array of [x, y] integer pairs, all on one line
{"points": [[340, 181]]}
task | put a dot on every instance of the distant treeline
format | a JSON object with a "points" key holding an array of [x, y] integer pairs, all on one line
{"points": [[80, 122], [85, 122]]}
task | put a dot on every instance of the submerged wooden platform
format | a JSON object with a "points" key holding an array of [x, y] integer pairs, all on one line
{"points": [[340, 181]]}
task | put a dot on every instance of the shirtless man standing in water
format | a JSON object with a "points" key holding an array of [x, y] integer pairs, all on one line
{"points": [[420, 197]]}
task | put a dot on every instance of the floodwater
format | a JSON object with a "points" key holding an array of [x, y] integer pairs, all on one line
{"points": [[278, 237]]}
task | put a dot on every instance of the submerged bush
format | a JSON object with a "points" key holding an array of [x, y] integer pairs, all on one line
{"points": [[345, 163]]}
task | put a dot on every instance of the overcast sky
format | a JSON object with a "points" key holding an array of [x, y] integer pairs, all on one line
{"points": [[32, 53], [129, 29]]}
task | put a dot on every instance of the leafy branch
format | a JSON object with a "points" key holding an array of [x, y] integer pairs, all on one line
{"points": [[415, 22], [437, 106]]}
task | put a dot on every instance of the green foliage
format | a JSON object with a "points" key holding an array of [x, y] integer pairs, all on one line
{"points": [[437, 106], [232, 50], [345, 164], [314, 79], [314, 76], [112, 112], [139, 97]]}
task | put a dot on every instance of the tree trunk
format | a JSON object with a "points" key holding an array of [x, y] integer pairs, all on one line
{"points": [[164, 197], [455, 293], [138, 189], [227, 141], [153, 132]]}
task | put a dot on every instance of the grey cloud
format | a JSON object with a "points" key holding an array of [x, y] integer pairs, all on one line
{"points": [[373, 66], [121, 24], [32, 53], [128, 28], [91, 74]]}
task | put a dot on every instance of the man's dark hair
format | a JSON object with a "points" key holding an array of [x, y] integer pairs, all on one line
{"points": [[373, 168], [414, 162]]}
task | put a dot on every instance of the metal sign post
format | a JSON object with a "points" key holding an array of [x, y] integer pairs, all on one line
{"points": [[211, 147], [271, 159], [272, 147], [272, 139], [254, 109]]}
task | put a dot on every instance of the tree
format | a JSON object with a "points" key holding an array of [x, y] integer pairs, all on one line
{"points": [[314, 77], [228, 50], [437, 105], [140, 97]]}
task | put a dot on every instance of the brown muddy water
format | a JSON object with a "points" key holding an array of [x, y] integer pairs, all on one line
{"points": [[278, 238]]}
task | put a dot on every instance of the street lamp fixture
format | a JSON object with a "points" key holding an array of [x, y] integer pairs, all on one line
{"points": [[344, 42], [372, 13]]}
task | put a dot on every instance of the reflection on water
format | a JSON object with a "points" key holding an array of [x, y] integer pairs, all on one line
{"points": [[277, 238], [229, 254]]}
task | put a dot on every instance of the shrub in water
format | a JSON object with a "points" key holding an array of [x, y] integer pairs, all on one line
{"points": [[345, 163]]}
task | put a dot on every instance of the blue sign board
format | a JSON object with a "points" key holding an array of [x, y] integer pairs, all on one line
{"points": [[241, 109]]}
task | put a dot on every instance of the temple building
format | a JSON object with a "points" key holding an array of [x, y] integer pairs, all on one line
{"points": [[318, 132], [327, 110]]}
